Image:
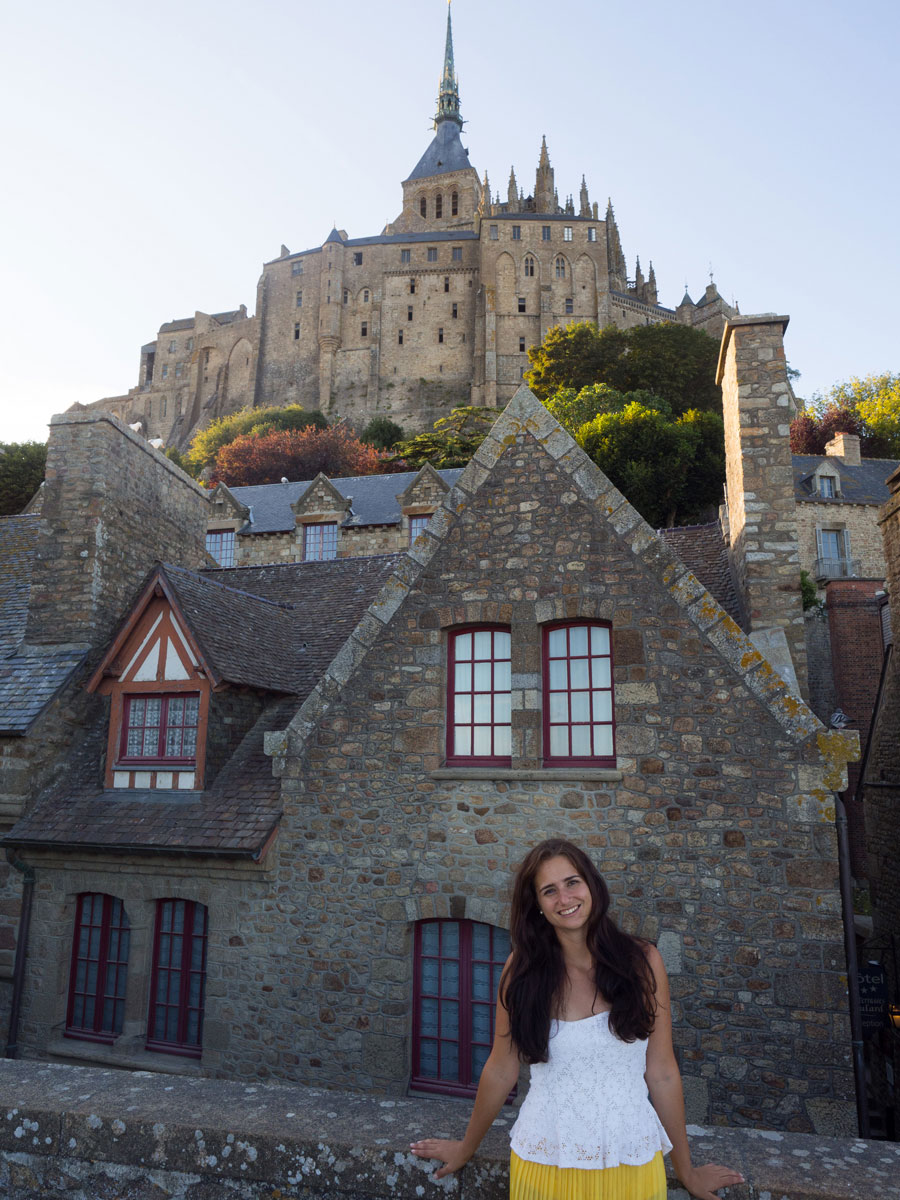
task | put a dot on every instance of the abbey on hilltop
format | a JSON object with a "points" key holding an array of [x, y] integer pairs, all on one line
{"points": [[438, 309]]}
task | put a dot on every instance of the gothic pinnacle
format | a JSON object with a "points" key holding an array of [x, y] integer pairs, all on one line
{"points": [[448, 96]]}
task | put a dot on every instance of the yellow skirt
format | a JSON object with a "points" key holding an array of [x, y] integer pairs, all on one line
{"points": [[535, 1181]]}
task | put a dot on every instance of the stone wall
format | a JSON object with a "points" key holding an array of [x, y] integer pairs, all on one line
{"points": [[700, 830], [71, 1133], [858, 519], [822, 696], [762, 526]]}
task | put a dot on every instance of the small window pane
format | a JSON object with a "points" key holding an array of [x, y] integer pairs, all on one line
{"points": [[449, 1018], [599, 639], [464, 646], [502, 676], [462, 708], [479, 1058], [578, 641], [481, 981], [482, 677], [559, 706], [603, 741], [481, 1023], [600, 672], [483, 644], [450, 939], [449, 1060], [559, 677], [462, 741], [502, 741], [428, 1017], [428, 1058], [578, 673], [581, 741], [602, 706], [430, 976], [430, 939], [501, 644], [581, 706], [481, 741], [502, 709], [482, 708], [463, 681], [481, 941], [559, 741]]}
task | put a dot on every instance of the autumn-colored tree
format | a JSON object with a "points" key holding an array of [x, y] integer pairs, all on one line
{"points": [[670, 360], [868, 407], [209, 441], [452, 441], [21, 472], [297, 454]]}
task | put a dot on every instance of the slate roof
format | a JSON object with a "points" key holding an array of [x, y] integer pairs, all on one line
{"points": [[374, 500], [273, 627], [446, 153], [387, 239], [862, 484], [702, 550], [30, 676]]}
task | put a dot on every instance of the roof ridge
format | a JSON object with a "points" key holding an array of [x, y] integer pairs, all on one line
{"points": [[170, 567]]}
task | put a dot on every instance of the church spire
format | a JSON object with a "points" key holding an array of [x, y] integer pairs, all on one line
{"points": [[448, 96]]}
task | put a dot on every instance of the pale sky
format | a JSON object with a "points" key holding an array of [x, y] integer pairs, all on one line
{"points": [[156, 155]]}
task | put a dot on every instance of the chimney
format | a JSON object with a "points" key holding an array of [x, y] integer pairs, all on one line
{"points": [[845, 446], [762, 519], [112, 506]]}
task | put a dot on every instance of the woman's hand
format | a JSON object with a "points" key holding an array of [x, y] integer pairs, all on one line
{"points": [[704, 1182], [450, 1153]]}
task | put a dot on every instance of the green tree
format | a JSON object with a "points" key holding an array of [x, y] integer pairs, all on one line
{"points": [[673, 361], [669, 470], [21, 473], [208, 442], [573, 409], [382, 433], [450, 443]]}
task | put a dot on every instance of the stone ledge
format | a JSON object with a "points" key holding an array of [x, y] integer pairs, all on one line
{"points": [[74, 1133], [541, 775]]}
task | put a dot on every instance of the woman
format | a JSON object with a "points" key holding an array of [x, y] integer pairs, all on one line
{"points": [[588, 1007]]}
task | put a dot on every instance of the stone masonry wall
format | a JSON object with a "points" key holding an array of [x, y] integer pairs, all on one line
{"points": [[761, 505], [857, 519], [72, 1133], [701, 831], [112, 506]]}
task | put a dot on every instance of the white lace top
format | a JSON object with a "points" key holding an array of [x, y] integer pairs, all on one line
{"points": [[588, 1106]]}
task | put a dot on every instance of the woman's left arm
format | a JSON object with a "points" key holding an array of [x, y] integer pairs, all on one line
{"points": [[664, 1084]]}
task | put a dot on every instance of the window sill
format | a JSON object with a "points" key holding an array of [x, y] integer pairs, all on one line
{"points": [[131, 1056], [541, 774]]}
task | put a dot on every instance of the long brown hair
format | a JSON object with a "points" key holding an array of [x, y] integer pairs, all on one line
{"points": [[533, 988]]}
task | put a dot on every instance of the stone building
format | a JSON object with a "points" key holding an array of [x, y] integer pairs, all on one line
{"points": [[436, 310], [341, 918]]}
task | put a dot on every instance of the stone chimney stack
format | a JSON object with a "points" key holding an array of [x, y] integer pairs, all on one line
{"points": [[845, 446], [761, 507], [112, 506]]}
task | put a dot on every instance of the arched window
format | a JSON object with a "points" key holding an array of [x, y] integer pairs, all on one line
{"points": [[454, 204], [99, 968], [439, 205], [579, 724], [178, 978], [457, 967], [560, 267], [529, 265], [479, 699], [423, 206]]}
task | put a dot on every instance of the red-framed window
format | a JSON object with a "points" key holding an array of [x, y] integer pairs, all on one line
{"points": [[417, 525], [220, 544], [178, 978], [457, 970], [579, 717], [320, 541], [479, 726], [99, 968], [160, 728]]}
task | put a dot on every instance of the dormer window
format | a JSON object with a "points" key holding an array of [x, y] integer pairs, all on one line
{"points": [[160, 729], [827, 486]]}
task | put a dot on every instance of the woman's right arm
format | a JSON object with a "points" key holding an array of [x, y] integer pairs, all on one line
{"points": [[498, 1078]]}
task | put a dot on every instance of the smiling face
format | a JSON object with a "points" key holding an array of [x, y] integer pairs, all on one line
{"points": [[562, 894]]}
